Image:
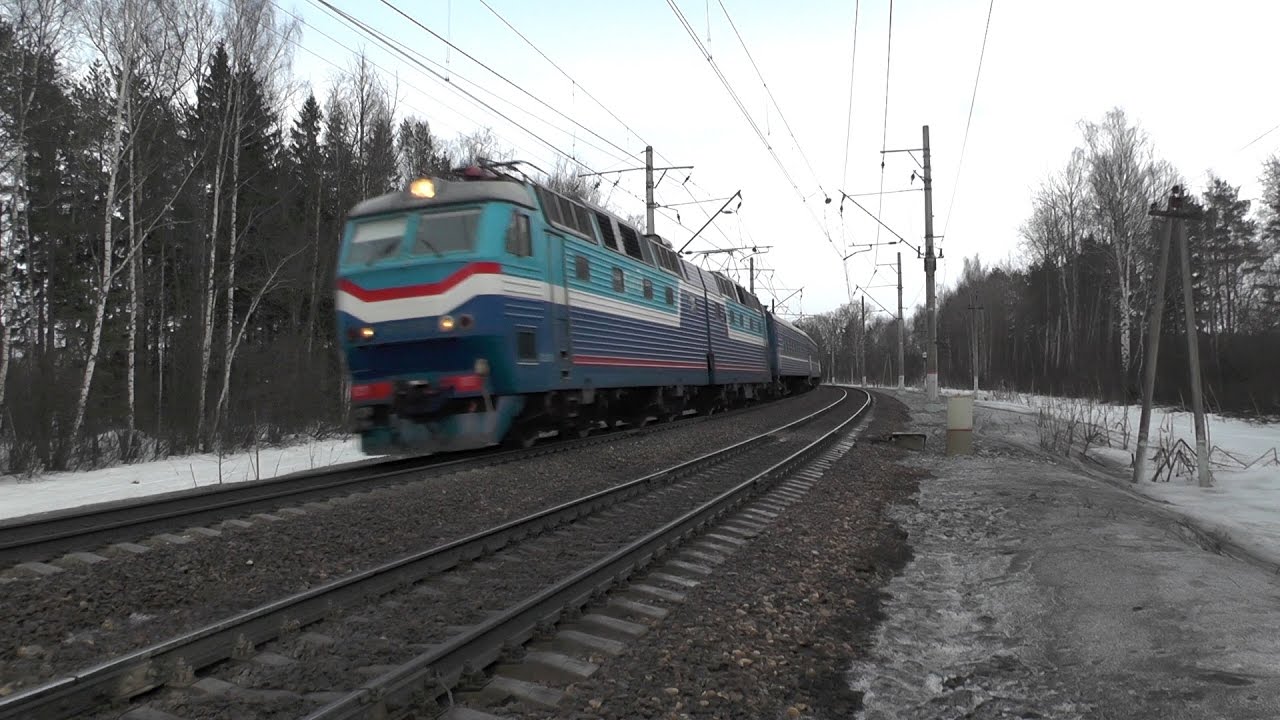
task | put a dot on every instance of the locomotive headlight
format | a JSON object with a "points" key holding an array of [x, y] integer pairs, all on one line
{"points": [[482, 367], [423, 188], [446, 323], [366, 333]]}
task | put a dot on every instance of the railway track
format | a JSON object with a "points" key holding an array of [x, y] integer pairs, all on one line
{"points": [[37, 538], [424, 623]]}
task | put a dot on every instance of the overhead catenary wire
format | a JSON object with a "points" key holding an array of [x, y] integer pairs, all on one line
{"points": [[298, 44], [380, 38], [405, 50], [579, 86], [848, 123], [499, 75], [955, 186], [769, 92], [409, 55], [746, 114]]}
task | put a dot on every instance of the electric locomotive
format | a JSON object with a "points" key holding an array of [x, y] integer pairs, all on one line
{"points": [[484, 307]]}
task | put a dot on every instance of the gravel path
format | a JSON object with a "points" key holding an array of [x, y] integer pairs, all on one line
{"points": [[772, 633], [58, 624]]}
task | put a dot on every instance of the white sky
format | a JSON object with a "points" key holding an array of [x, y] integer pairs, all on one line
{"points": [[1199, 77]]}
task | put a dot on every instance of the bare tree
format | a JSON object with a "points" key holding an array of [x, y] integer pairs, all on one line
{"points": [[1123, 181], [470, 148], [566, 178], [259, 46]]}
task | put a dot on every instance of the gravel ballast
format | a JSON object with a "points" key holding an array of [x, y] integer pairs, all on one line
{"points": [[57, 624], [773, 632]]}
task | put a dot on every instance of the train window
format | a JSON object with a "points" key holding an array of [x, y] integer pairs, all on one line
{"points": [[583, 217], [619, 282], [374, 240], [648, 289], [550, 207], [671, 296], [446, 232], [582, 268], [630, 241], [606, 231], [526, 345], [518, 241]]}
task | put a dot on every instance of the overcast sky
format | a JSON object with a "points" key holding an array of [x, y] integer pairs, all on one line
{"points": [[1199, 77]]}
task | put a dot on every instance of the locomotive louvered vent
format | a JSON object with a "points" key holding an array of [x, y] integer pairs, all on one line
{"points": [[630, 241]]}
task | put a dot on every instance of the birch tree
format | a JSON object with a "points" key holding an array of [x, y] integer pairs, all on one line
{"points": [[1122, 182], [142, 43]]}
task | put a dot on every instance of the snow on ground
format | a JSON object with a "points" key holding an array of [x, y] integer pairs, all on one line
{"points": [[57, 491], [1242, 507]]}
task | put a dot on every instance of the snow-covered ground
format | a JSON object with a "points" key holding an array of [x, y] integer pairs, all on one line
{"points": [[1243, 506], [57, 491]]}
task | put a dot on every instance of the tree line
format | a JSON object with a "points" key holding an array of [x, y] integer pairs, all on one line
{"points": [[1069, 315], [169, 225]]}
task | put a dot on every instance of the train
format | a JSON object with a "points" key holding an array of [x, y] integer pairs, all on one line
{"points": [[480, 307]]}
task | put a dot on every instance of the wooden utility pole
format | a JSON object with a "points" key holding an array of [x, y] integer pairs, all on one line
{"points": [[902, 368], [974, 309], [1174, 230], [1152, 351], [1193, 356], [930, 264]]}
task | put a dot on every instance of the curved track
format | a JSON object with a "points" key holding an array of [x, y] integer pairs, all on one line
{"points": [[48, 535], [590, 540]]}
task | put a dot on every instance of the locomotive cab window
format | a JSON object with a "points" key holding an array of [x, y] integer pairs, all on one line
{"points": [[619, 282], [376, 240], [518, 239], [446, 232]]}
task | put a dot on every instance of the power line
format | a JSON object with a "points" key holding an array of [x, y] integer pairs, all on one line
{"points": [[497, 74], [610, 112], [955, 186], [848, 125], [769, 92], [393, 47], [1255, 140], [747, 115], [408, 55]]}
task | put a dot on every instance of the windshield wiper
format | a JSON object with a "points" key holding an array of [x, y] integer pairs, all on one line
{"points": [[384, 252], [423, 241]]}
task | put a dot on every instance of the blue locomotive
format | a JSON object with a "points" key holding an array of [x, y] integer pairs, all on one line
{"points": [[485, 308]]}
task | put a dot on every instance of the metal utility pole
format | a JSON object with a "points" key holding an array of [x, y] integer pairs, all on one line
{"points": [[1193, 356], [902, 368], [930, 264], [649, 204], [974, 309], [1152, 351], [751, 270], [862, 363], [649, 183]]}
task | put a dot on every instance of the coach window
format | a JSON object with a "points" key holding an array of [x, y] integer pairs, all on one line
{"points": [[619, 282], [518, 239], [582, 268], [648, 290], [671, 296]]}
